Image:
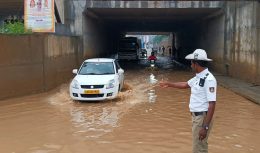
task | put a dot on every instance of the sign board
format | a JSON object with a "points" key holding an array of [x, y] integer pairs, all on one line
{"points": [[39, 15]]}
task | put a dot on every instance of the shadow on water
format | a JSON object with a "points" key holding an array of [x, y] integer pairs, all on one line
{"points": [[93, 119]]}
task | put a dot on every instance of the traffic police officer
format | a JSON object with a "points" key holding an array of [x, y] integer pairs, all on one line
{"points": [[202, 99]]}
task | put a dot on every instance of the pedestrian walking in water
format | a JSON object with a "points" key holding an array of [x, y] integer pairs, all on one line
{"points": [[170, 51], [163, 49], [202, 99]]}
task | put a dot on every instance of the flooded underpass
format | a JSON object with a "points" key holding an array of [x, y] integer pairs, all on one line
{"points": [[132, 123]]}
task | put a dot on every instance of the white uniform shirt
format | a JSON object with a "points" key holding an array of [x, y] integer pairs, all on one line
{"points": [[201, 96]]}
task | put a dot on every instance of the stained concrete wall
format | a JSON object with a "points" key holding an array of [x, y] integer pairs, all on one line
{"points": [[73, 15], [61, 55], [241, 30], [232, 40], [77, 23], [258, 43], [211, 38], [36, 63]]}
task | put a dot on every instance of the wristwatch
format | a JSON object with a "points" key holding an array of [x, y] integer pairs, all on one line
{"points": [[206, 127]]}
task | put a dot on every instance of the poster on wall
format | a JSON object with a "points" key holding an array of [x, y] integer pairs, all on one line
{"points": [[39, 15]]}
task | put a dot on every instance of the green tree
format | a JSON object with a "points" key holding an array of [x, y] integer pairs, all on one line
{"points": [[14, 28]]}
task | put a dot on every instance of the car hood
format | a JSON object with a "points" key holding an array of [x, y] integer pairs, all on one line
{"points": [[94, 79]]}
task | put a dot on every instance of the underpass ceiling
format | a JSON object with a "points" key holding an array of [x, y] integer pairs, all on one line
{"points": [[151, 19]]}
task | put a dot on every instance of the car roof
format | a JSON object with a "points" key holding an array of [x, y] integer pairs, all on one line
{"points": [[100, 60]]}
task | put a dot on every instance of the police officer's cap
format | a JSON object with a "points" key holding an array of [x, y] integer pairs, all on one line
{"points": [[199, 55]]}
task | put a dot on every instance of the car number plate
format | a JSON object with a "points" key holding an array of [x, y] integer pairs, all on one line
{"points": [[91, 91]]}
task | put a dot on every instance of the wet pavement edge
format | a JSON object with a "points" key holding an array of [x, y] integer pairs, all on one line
{"points": [[246, 90]]}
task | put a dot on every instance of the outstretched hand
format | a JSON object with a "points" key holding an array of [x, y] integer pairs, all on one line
{"points": [[164, 84]]}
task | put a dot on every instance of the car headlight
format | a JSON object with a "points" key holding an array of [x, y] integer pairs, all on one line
{"points": [[75, 84], [110, 84]]}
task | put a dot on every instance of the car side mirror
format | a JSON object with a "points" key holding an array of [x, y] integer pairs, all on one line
{"points": [[120, 71], [75, 71]]}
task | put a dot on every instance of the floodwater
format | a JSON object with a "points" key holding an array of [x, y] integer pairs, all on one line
{"points": [[132, 123]]}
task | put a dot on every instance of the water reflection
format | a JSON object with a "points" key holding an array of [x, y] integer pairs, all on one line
{"points": [[152, 96], [151, 91], [92, 120], [95, 121]]}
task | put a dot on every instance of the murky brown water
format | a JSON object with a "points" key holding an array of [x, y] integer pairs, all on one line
{"points": [[52, 123]]}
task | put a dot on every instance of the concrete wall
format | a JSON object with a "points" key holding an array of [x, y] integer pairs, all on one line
{"points": [[231, 38], [61, 55], [73, 15], [36, 63], [90, 39], [242, 53], [258, 43], [211, 38], [77, 23], [186, 41], [95, 37]]}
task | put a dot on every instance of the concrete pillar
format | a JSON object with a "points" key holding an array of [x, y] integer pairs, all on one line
{"points": [[89, 34], [95, 36], [73, 10], [211, 37]]}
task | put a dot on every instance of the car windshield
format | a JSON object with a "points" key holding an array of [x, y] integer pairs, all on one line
{"points": [[97, 68]]}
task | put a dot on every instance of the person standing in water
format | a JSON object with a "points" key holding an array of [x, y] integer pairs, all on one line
{"points": [[202, 99]]}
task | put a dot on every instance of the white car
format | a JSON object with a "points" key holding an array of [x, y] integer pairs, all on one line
{"points": [[97, 79]]}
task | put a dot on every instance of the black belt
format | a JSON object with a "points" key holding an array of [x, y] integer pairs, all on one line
{"points": [[198, 113]]}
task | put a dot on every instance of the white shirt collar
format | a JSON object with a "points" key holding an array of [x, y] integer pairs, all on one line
{"points": [[202, 73]]}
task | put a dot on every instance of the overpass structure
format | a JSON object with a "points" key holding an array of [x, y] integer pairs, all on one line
{"points": [[228, 30]]}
